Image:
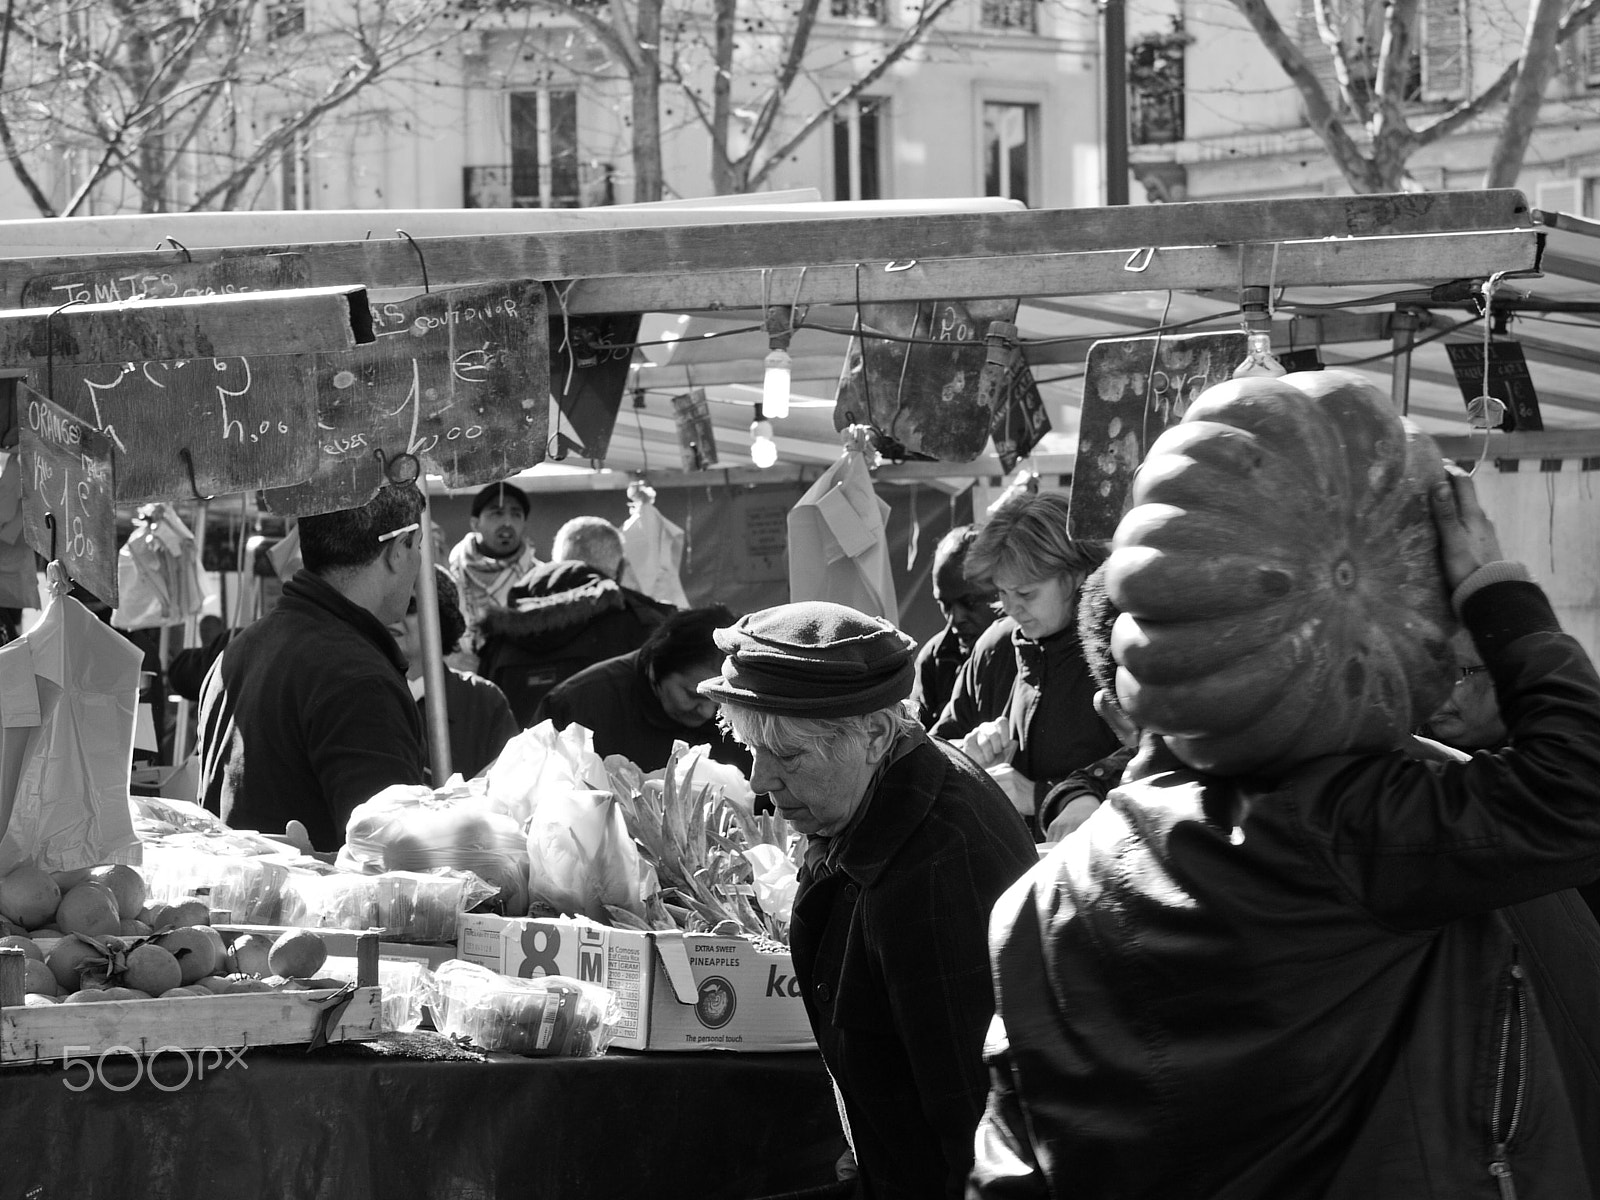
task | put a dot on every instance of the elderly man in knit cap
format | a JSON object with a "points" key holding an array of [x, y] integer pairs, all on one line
{"points": [[909, 846], [486, 563]]}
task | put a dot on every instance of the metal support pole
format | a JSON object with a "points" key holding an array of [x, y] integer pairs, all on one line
{"points": [[1114, 47], [191, 637], [1402, 328], [432, 658]]}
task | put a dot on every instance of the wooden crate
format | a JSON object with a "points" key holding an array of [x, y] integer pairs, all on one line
{"points": [[56, 1031]]}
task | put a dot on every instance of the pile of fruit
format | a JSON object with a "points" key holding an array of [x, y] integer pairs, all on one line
{"points": [[80, 948]]}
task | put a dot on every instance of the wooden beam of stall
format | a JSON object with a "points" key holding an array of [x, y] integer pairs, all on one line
{"points": [[324, 320], [1345, 262], [668, 251]]}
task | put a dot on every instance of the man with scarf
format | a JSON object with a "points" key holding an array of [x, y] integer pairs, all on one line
{"points": [[487, 563], [909, 845]]}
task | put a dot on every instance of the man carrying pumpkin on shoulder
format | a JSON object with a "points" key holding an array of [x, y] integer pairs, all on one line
{"points": [[1283, 959]]}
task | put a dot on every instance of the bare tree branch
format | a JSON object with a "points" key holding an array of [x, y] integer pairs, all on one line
{"points": [[1320, 114], [8, 140]]}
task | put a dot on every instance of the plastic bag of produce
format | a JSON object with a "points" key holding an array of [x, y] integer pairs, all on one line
{"points": [[408, 906], [550, 1016], [581, 861], [248, 889], [540, 761], [407, 828], [407, 985]]}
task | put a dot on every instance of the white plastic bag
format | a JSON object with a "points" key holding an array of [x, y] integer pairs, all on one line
{"points": [[69, 692], [158, 572], [581, 861], [541, 761]]}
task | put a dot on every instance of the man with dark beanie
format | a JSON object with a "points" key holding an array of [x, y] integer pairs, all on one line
{"points": [[909, 845], [489, 560]]}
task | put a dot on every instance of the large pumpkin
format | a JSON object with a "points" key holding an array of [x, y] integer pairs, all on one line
{"points": [[1279, 577]]}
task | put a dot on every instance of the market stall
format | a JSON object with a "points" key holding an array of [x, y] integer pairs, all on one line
{"points": [[481, 354]]}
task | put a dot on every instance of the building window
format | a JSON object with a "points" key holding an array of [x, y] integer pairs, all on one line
{"points": [[544, 149], [857, 10], [1589, 57], [1155, 86], [1442, 62], [1010, 135], [859, 131], [1009, 14], [294, 172]]}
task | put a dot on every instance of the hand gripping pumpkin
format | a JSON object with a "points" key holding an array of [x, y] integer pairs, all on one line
{"points": [[1279, 577]]}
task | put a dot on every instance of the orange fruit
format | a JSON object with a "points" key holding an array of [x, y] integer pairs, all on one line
{"points": [[152, 969], [27, 945], [193, 949], [28, 896], [90, 909], [39, 979], [298, 954], [67, 959], [125, 883]]}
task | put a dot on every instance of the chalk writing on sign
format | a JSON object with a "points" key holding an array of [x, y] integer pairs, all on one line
{"points": [[67, 492], [458, 378], [246, 423], [165, 279]]}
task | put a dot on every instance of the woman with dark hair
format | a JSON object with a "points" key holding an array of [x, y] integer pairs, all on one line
{"points": [[639, 704], [480, 716], [1026, 698]]}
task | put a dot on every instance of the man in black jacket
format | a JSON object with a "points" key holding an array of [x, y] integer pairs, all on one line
{"points": [[306, 714], [563, 616], [1254, 988]]}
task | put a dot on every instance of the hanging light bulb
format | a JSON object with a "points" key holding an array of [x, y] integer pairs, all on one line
{"points": [[763, 450], [1258, 358], [775, 384]]}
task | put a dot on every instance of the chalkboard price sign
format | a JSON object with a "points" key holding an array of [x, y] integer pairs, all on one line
{"points": [[246, 423], [67, 483], [458, 378], [1509, 381], [921, 389], [1133, 389]]}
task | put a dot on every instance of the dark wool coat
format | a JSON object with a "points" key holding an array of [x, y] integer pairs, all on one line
{"points": [[480, 721], [614, 700], [1045, 693], [889, 950], [564, 616], [305, 715], [1321, 1001], [938, 663]]}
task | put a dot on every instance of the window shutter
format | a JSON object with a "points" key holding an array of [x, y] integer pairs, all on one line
{"points": [[1560, 195], [1445, 62], [1316, 54], [1589, 56]]}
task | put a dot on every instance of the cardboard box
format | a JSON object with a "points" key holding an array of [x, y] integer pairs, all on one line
{"points": [[679, 991]]}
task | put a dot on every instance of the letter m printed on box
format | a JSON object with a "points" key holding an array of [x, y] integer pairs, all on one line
{"points": [[591, 955]]}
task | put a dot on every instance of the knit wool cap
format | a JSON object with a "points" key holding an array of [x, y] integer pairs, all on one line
{"points": [[813, 659], [499, 493]]}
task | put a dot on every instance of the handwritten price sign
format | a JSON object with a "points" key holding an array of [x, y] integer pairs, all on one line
{"points": [[246, 423], [68, 477], [459, 378]]}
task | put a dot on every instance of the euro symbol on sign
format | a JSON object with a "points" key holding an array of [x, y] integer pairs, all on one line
{"points": [[475, 365]]}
